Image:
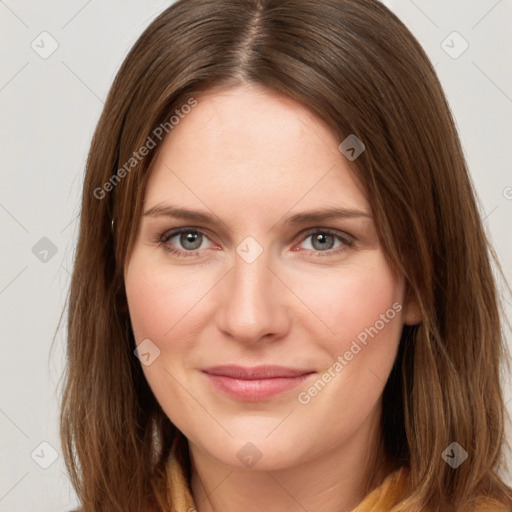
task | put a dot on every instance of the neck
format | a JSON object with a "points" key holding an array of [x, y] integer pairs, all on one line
{"points": [[334, 481]]}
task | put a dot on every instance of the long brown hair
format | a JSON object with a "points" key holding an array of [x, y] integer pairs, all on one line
{"points": [[361, 71]]}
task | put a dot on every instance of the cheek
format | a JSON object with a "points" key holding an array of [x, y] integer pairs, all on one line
{"points": [[352, 300], [160, 299], [373, 306], [164, 307], [364, 314]]}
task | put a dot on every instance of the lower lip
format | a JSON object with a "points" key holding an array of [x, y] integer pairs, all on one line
{"points": [[255, 389]]}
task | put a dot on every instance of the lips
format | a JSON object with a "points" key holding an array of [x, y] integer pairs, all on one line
{"points": [[254, 383], [256, 372]]}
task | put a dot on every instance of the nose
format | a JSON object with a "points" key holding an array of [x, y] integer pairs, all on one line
{"points": [[252, 306]]}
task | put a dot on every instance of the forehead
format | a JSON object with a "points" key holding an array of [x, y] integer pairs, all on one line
{"points": [[250, 147]]}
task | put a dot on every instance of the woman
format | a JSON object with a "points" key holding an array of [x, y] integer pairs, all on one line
{"points": [[282, 297]]}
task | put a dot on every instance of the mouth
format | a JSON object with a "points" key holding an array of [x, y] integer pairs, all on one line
{"points": [[254, 383]]}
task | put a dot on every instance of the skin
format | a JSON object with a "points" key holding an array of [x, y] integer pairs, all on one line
{"points": [[253, 158]]}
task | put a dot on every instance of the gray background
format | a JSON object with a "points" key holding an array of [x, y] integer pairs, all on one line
{"points": [[49, 108]]}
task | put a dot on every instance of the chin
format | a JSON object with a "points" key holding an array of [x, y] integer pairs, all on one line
{"points": [[259, 451]]}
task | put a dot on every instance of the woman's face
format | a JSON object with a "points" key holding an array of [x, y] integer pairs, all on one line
{"points": [[268, 316]]}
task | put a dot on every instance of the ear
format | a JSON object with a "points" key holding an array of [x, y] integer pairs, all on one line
{"points": [[412, 310]]}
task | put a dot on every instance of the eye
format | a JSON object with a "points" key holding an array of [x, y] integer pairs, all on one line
{"points": [[189, 240], [184, 242], [325, 240]]}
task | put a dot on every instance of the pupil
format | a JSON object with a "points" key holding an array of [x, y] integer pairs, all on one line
{"points": [[323, 241], [191, 240]]}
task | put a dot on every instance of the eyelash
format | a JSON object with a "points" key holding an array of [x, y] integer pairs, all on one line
{"points": [[163, 239]]}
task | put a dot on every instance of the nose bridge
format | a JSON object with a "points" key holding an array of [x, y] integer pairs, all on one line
{"points": [[251, 308], [251, 281]]}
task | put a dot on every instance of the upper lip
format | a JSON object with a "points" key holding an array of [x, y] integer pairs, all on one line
{"points": [[254, 372]]}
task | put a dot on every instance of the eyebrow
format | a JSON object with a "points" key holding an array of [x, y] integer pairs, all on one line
{"points": [[299, 218], [181, 213], [326, 214]]}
